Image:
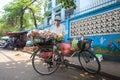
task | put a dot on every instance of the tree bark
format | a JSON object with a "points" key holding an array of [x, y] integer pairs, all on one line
{"points": [[35, 22], [22, 13], [21, 19]]}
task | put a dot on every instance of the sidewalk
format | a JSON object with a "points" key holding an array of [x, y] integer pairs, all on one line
{"points": [[111, 68], [108, 68]]}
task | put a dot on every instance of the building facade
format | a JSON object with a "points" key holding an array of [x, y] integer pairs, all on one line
{"points": [[99, 20]]}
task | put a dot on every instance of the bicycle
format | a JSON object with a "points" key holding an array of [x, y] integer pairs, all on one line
{"points": [[46, 65]]}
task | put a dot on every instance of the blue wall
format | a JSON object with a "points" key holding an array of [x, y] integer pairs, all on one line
{"points": [[98, 39], [104, 39]]}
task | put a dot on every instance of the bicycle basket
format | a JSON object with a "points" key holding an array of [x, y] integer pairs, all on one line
{"points": [[45, 41], [80, 44], [85, 44]]}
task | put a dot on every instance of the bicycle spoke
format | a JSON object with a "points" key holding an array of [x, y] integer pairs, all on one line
{"points": [[89, 62], [44, 66]]}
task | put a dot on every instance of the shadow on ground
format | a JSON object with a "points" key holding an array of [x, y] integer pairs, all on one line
{"points": [[15, 66]]}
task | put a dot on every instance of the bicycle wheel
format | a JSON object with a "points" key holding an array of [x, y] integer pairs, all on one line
{"points": [[45, 66], [89, 62]]}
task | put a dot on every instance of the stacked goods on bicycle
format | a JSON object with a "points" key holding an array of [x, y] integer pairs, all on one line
{"points": [[40, 34], [74, 45], [69, 47], [80, 44], [47, 52], [44, 36]]}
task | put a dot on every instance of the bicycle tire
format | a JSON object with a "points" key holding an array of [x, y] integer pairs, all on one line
{"points": [[89, 62], [41, 67]]}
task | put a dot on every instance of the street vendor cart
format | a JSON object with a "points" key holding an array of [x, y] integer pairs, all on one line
{"points": [[18, 39]]}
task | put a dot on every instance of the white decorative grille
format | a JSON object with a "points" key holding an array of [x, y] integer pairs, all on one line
{"points": [[104, 23]]}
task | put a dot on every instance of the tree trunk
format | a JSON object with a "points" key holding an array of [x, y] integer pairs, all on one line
{"points": [[21, 19], [35, 22], [22, 14]]}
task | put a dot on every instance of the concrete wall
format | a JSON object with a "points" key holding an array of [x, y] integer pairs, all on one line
{"points": [[92, 8]]}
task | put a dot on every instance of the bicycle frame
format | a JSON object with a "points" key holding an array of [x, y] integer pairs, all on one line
{"points": [[56, 45], [83, 55]]}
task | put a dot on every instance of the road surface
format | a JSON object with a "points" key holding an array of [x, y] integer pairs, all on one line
{"points": [[16, 65]]}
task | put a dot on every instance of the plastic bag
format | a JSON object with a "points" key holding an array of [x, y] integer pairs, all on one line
{"points": [[74, 45], [46, 54]]}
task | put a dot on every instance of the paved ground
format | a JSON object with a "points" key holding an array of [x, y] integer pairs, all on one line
{"points": [[111, 67], [16, 65], [108, 68]]}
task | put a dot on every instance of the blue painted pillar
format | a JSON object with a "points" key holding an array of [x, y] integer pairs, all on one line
{"points": [[63, 14], [67, 28], [53, 12]]}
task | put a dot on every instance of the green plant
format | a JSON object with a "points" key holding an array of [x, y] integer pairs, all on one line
{"points": [[67, 3]]}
